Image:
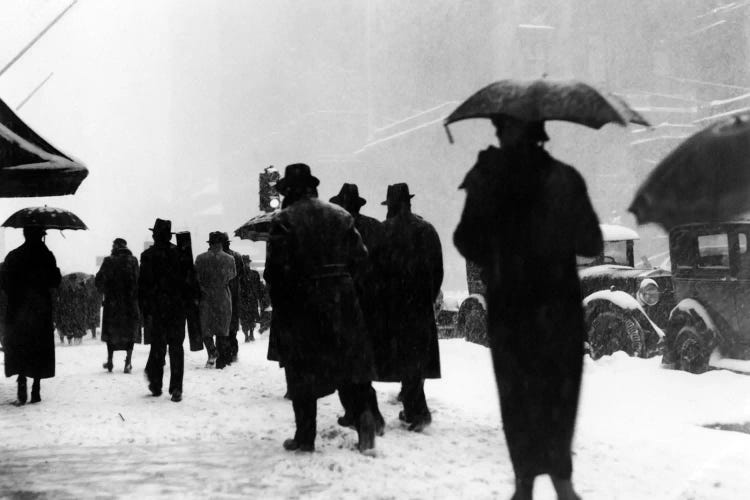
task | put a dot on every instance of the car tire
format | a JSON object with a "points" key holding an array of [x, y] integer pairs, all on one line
{"points": [[612, 331], [691, 350]]}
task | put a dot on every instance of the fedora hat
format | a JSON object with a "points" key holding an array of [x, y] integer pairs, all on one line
{"points": [[215, 237], [397, 193], [296, 175], [349, 193], [162, 226]]}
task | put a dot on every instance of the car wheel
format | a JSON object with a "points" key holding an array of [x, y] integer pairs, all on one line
{"points": [[691, 350], [611, 331]]}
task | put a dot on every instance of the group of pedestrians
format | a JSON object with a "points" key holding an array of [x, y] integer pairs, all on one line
{"points": [[352, 303]]}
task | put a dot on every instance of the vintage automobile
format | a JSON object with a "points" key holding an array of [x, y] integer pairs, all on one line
{"points": [[710, 325], [623, 305]]}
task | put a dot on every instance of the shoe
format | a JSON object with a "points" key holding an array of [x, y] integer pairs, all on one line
{"points": [[21, 394], [128, 368], [155, 392], [18, 402], [346, 421], [418, 424], [402, 417], [379, 426], [35, 398], [293, 445], [234, 358], [177, 396], [211, 361], [108, 366], [366, 431]]}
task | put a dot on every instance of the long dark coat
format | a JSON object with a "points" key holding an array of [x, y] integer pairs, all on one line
{"points": [[251, 296], [235, 290], [164, 292], [526, 217], [29, 272], [215, 270], [317, 328], [370, 287], [413, 273], [117, 280], [72, 308]]}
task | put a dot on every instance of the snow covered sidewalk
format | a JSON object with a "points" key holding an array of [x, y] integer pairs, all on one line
{"points": [[97, 434]]}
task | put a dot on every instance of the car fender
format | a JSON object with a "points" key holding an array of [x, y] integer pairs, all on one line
{"points": [[693, 312], [622, 301]]}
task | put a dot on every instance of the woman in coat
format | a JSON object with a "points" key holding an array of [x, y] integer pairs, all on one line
{"points": [[526, 217], [29, 274], [117, 280]]}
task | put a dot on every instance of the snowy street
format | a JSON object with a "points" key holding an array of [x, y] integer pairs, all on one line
{"points": [[97, 434]]}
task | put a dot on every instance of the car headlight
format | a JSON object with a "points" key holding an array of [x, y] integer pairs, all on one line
{"points": [[649, 295]]}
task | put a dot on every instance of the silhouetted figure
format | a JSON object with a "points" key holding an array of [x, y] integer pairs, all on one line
{"points": [[29, 274], [163, 293], [214, 270], [117, 280], [317, 330], [526, 217], [413, 273], [369, 284], [235, 289], [251, 296], [72, 308]]}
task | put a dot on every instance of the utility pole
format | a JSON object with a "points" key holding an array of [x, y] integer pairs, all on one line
{"points": [[36, 38]]}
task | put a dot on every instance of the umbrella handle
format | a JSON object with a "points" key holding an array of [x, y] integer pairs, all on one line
{"points": [[448, 131]]}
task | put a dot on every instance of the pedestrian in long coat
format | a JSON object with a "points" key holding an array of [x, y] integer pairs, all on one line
{"points": [[235, 289], [251, 296], [71, 307], [214, 270], [413, 273], [526, 217], [117, 280], [29, 273], [163, 294], [313, 251], [94, 300], [369, 285]]}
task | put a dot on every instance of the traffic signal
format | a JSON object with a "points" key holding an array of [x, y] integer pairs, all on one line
{"points": [[270, 199]]}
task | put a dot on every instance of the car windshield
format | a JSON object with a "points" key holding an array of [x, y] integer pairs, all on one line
{"points": [[615, 252]]}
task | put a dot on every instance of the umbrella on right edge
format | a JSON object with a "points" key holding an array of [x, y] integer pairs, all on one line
{"points": [[705, 179], [257, 228]]}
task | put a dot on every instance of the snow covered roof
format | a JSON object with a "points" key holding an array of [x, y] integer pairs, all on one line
{"points": [[612, 232]]}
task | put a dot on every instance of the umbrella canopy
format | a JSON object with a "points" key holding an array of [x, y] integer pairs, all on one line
{"points": [[256, 229], [540, 100], [705, 179], [29, 165], [45, 217]]}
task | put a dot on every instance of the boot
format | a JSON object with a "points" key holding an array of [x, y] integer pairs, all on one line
{"points": [[211, 361], [21, 395], [366, 431], [36, 391], [108, 365], [128, 357], [294, 445]]}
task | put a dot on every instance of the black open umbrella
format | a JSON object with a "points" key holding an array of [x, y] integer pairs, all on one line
{"points": [[45, 217], [29, 165], [705, 179], [541, 100], [257, 228]]}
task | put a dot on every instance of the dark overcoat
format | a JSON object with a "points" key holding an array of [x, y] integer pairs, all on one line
{"points": [[72, 309], [413, 273], [117, 280], [370, 285], [317, 329], [525, 219], [29, 274], [164, 292], [251, 295], [235, 289]]}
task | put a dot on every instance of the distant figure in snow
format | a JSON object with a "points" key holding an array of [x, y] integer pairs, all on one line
{"points": [[214, 270], [235, 290], [251, 295], [28, 275], [526, 218], [413, 274], [117, 280]]}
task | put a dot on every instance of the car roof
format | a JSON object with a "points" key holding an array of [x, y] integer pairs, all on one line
{"points": [[733, 222], [614, 232]]}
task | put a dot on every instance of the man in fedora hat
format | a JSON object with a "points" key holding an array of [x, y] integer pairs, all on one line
{"points": [[369, 284], [317, 331], [235, 289], [413, 266], [214, 270], [163, 290]]}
